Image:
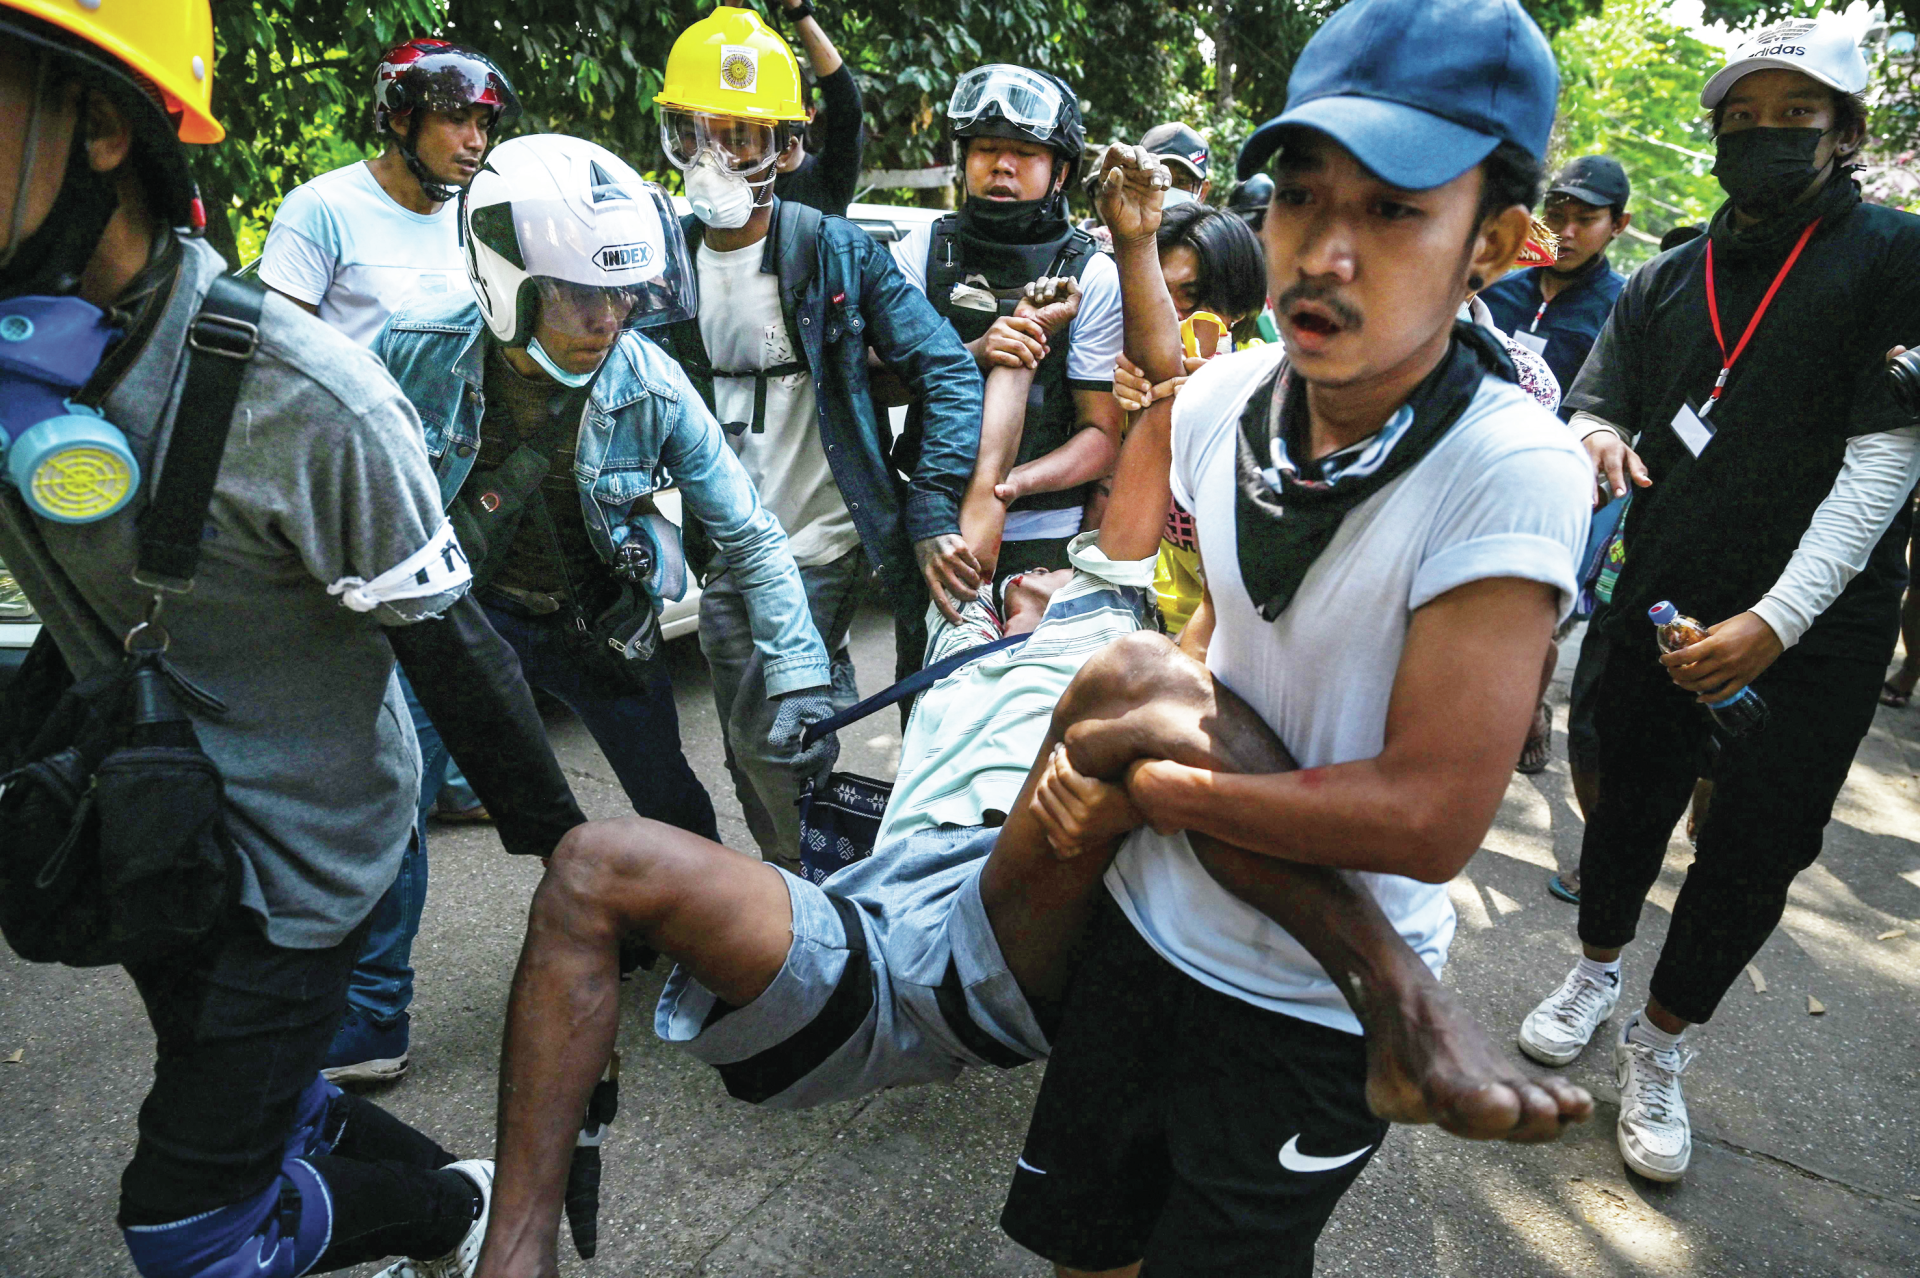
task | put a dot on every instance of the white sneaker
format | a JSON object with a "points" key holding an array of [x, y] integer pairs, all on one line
{"points": [[1561, 1027], [1655, 1138], [465, 1258]]}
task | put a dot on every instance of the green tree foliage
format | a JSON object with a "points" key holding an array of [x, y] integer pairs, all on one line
{"points": [[291, 76], [1630, 87], [289, 84], [1740, 15]]}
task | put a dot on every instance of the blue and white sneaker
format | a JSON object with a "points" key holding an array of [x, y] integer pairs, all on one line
{"points": [[366, 1051]]}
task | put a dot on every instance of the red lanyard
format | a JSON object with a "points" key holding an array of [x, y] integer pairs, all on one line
{"points": [[1713, 312]]}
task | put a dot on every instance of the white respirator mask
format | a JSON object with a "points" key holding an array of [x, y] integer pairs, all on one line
{"points": [[720, 199]]}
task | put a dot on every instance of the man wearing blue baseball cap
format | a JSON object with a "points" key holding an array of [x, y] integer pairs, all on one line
{"points": [[1388, 525]]}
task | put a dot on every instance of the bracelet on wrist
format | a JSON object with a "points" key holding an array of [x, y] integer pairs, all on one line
{"points": [[794, 13]]}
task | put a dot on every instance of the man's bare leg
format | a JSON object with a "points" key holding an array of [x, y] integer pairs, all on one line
{"points": [[723, 916], [1141, 698]]}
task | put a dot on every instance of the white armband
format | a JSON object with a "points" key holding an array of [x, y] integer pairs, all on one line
{"points": [[437, 568]]}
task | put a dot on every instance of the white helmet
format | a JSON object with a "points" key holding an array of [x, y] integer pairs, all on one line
{"points": [[565, 222]]}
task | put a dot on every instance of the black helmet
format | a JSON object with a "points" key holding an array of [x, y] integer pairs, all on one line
{"points": [[1001, 100], [1250, 198]]}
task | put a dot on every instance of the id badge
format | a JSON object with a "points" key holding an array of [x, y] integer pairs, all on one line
{"points": [[1535, 342], [1692, 430]]}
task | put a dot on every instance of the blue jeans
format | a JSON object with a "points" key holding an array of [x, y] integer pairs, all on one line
{"points": [[382, 984], [768, 790]]}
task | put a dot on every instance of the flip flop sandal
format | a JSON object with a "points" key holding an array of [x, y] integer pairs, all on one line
{"points": [[1557, 888], [1892, 696], [1538, 751]]}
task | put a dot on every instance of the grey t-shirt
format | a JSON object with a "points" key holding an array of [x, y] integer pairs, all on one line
{"points": [[324, 477]]}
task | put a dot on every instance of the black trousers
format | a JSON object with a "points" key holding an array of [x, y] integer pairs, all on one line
{"points": [[240, 1027], [1773, 795]]}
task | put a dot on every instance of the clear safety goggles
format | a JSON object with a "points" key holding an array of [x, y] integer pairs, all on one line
{"points": [[1024, 98], [741, 146]]}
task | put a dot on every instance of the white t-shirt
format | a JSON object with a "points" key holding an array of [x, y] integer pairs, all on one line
{"points": [[340, 243], [741, 324], [974, 735], [1505, 493]]}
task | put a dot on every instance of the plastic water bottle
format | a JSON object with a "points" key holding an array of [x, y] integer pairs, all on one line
{"points": [[1742, 713]]}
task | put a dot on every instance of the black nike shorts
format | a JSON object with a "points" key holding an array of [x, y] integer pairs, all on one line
{"points": [[1185, 1127]]}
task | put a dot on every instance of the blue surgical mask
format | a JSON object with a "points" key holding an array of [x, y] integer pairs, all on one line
{"points": [[69, 463], [558, 374]]}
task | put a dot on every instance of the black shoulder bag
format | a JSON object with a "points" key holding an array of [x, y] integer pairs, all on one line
{"points": [[114, 845]]}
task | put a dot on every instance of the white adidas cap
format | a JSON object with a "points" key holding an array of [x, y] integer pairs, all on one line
{"points": [[1821, 48]]}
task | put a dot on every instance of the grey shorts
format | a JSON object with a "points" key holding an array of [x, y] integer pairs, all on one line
{"points": [[893, 978]]}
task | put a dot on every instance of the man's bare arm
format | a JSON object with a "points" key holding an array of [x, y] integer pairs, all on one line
{"points": [[1462, 699], [1086, 456], [1199, 632], [1130, 194], [983, 515]]}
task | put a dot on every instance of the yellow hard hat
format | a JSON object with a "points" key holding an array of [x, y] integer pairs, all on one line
{"points": [[170, 42], [732, 63]]}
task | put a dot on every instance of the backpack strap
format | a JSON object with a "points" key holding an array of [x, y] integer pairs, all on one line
{"points": [[942, 271], [912, 685], [220, 341], [1079, 249]]}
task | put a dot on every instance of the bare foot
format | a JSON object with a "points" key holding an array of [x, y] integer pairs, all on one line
{"points": [[1430, 1062]]}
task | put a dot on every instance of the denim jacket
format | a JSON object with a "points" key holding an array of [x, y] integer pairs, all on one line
{"points": [[644, 429], [840, 295]]}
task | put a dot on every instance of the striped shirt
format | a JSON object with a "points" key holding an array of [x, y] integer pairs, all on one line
{"points": [[974, 735]]}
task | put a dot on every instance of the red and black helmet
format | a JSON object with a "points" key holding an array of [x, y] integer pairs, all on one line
{"points": [[437, 75]]}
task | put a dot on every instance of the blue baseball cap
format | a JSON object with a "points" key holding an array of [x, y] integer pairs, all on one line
{"points": [[1419, 91]]}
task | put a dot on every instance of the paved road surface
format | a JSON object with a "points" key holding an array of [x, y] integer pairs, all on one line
{"points": [[1807, 1160]]}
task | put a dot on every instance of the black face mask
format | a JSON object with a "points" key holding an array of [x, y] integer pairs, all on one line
{"points": [[1014, 221], [50, 261], [1765, 170]]}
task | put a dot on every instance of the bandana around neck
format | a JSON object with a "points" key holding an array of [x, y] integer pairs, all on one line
{"points": [[1286, 511]]}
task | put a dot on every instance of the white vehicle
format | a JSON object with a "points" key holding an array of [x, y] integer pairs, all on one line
{"points": [[678, 616], [887, 222], [18, 626]]}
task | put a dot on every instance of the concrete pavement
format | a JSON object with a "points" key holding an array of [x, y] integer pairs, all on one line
{"points": [[1806, 1161]]}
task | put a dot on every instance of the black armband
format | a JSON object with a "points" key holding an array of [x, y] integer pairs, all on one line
{"points": [[799, 11]]}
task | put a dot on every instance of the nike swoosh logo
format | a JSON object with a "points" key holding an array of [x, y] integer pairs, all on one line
{"points": [[1021, 1162], [1294, 1161]]}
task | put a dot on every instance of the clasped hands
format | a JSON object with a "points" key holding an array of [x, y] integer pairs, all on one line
{"points": [[1081, 814]]}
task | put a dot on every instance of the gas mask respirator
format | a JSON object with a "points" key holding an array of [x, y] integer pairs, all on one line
{"points": [[70, 464]]}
